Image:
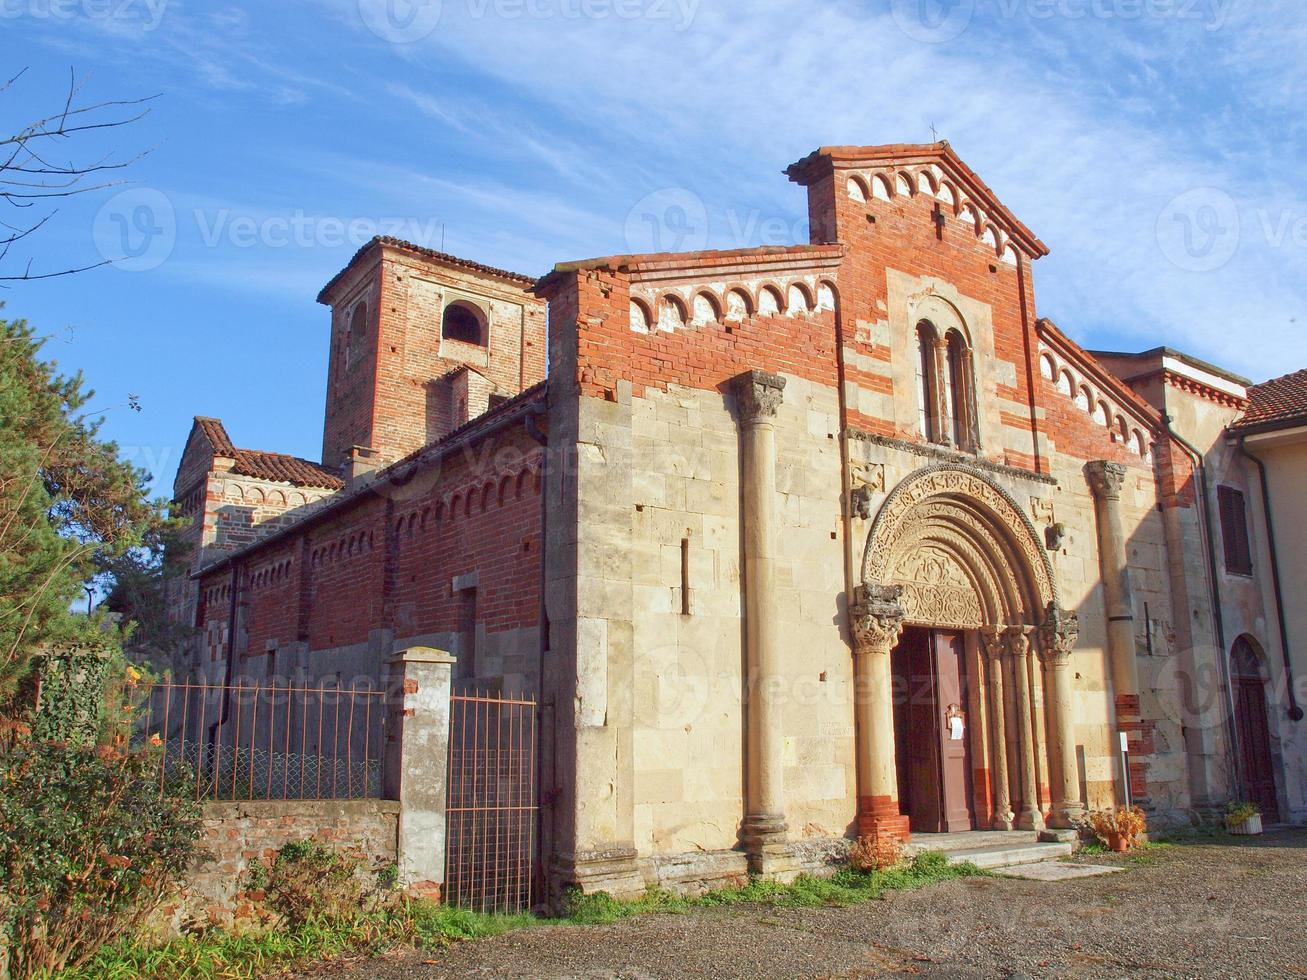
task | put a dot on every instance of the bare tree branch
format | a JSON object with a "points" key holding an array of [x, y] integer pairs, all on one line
{"points": [[29, 174]]}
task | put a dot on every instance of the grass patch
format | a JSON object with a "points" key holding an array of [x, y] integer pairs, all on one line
{"points": [[217, 955], [845, 887], [1140, 855]]}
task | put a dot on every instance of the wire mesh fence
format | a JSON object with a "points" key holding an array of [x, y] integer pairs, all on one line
{"points": [[268, 741], [492, 806]]}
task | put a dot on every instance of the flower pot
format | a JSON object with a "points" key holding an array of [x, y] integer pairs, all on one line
{"points": [[1118, 843], [1248, 828]]}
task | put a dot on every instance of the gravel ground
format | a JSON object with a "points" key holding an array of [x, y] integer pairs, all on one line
{"points": [[1198, 910]]}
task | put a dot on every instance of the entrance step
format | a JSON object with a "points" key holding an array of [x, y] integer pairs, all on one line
{"points": [[1057, 871], [990, 858], [991, 849]]}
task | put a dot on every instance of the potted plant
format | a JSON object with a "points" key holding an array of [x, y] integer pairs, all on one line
{"points": [[1119, 829], [1243, 817]]}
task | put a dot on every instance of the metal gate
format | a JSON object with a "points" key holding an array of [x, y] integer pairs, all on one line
{"points": [[490, 844]]}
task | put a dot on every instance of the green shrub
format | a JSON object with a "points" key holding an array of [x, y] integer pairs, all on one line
{"points": [[310, 882], [89, 847], [1240, 811]]}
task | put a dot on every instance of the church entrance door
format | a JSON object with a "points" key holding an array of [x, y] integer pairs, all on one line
{"points": [[931, 737]]}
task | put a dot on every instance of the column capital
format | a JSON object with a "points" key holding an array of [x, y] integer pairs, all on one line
{"points": [[1018, 639], [876, 617], [1105, 478], [1059, 632], [991, 638], [758, 395]]}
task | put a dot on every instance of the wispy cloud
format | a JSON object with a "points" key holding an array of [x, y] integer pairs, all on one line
{"points": [[1087, 128]]}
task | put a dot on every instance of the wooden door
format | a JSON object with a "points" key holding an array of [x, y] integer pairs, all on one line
{"points": [[1255, 745], [954, 738], [934, 765]]}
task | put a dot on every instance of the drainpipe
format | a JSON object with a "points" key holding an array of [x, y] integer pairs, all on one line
{"points": [[532, 424], [1295, 710], [1214, 585]]}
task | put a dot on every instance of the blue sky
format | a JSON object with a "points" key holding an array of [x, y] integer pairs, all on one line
{"points": [[1156, 146]]}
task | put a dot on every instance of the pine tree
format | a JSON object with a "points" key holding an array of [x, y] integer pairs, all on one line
{"points": [[70, 507]]}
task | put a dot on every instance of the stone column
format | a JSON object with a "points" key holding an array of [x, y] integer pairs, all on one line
{"points": [[1018, 645], [991, 638], [967, 392], [758, 397], [1058, 639], [1106, 480], [944, 427], [877, 620], [416, 763]]}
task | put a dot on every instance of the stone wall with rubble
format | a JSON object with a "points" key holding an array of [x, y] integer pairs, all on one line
{"points": [[237, 836]]}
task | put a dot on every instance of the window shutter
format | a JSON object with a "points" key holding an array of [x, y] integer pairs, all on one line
{"points": [[1234, 531]]}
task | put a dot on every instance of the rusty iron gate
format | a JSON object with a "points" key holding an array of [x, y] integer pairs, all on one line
{"points": [[490, 844]]}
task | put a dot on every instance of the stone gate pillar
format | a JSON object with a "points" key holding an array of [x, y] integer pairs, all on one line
{"points": [[1018, 646], [758, 397], [416, 763], [1058, 639], [1106, 480], [991, 640], [877, 621]]}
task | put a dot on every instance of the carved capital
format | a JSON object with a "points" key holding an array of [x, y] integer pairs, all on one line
{"points": [[1018, 640], [758, 395], [1059, 632], [991, 638], [1105, 478], [877, 618]]}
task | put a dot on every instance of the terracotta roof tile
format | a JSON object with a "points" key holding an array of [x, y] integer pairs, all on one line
{"points": [[262, 465], [1278, 400], [284, 469], [216, 433]]}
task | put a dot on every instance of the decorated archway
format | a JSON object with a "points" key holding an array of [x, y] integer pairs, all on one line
{"points": [[962, 551], [952, 553]]}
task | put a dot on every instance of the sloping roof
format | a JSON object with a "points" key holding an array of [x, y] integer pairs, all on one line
{"points": [[529, 402], [1279, 400], [262, 465], [427, 253], [284, 469], [216, 433]]}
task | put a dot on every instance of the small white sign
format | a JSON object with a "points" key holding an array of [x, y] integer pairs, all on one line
{"points": [[1125, 744], [955, 729]]}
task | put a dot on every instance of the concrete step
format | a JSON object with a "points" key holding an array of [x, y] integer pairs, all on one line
{"points": [[1009, 855], [1057, 871]]}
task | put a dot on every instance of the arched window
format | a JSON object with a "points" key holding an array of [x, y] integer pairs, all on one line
{"points": [[464, 323], [945, 388], [958, 388], [926, 381]]}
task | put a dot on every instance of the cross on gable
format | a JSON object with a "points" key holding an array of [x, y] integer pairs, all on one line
{"points": [[939, 219]]}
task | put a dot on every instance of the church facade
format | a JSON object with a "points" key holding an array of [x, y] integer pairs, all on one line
{"points": [[794, 544]]}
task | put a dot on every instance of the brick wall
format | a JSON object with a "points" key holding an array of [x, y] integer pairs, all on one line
{"points": [[385, 564], [385, 397], [239, 835]]}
